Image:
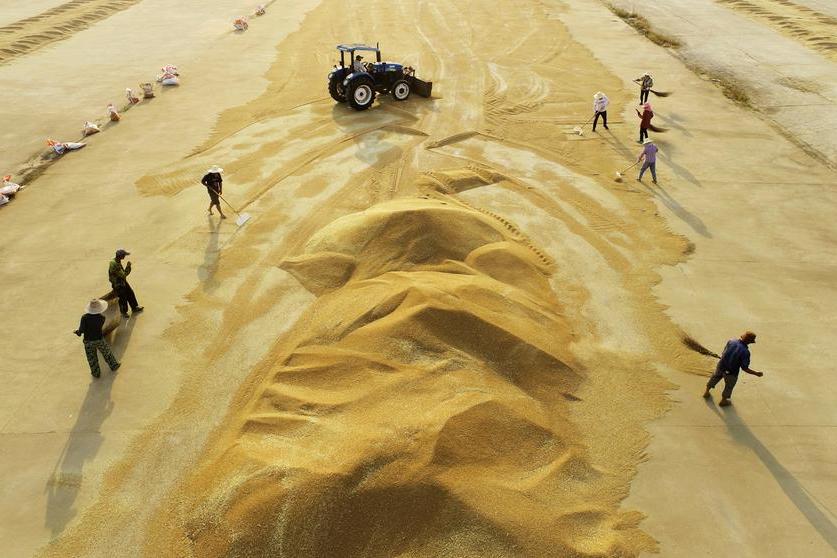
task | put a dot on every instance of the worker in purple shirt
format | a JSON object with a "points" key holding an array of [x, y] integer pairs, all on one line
{"points": [[736, 357], [649, 153]]}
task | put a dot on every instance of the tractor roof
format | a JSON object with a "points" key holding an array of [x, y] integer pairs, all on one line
{"points": [[356, 46]]}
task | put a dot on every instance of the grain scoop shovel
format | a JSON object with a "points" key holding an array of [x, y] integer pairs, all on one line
{"points": [[242, 217]]}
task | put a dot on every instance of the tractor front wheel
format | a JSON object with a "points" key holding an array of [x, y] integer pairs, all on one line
{"points": [[400, 90], [336, 90], [361, 93]]}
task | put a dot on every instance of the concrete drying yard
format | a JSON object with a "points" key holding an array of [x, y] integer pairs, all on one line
{"points": [[446, 329]]}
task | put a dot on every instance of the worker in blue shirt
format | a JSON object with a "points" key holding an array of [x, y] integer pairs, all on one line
{"points": [[736, 357]]}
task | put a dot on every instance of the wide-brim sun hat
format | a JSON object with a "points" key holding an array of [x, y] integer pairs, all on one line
{"points": [[215, 168], [96, 306], [647, 140], [598, 95]]}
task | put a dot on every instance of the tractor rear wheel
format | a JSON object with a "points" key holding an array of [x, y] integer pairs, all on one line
{"points": [[361, 93], [401, 90], [336, 90]]}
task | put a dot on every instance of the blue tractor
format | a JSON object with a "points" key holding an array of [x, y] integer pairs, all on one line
{"points": [[356, 82]]}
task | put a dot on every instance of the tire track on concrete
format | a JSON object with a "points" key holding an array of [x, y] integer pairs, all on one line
{"points": [[62, 22]]}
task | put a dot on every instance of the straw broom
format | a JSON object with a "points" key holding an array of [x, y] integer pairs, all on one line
{"points": [[697, 347]]}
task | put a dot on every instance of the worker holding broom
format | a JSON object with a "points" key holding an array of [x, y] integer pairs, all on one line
{"points": [[646, 82], [600, 102], [645, 121], [736, 357], [214, 184]]}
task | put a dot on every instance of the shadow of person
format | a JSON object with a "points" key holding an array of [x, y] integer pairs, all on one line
{"points": [[681, 212], [666, 151], [789, 484], [82, 445], [84, 440], [120, 337], [629, 152], [211, 255], [673, 121]]}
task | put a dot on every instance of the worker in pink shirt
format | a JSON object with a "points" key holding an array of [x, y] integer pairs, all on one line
{"points": [[649, 153], [645, 121]]}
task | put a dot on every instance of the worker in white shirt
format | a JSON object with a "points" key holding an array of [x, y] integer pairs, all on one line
{"points": [[600, 103], [358, 65]]}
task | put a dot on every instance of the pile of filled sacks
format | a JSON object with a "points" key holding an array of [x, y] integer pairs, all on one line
{"points": [[8, 189]]}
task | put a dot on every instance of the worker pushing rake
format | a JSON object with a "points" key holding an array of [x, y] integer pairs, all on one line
{"points": [[214, 186], [648, 158], [600, 103]]}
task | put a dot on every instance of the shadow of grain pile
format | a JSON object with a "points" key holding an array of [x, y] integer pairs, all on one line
{"points": [[420, 407]]}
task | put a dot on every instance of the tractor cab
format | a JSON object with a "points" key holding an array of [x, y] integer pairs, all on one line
{"points": [[352, 49], [358, 86]]}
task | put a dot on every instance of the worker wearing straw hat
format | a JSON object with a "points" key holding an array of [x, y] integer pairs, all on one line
{"points": [[94, 340], [646, 82], [649, 153], [214, 186], [600, 102]]}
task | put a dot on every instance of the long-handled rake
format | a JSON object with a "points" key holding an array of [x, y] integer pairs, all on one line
{"points": [[242, 217], [621, 174], [660, 93], [578, 129]]}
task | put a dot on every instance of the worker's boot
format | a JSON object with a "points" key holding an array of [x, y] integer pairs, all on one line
{"points": [[725, 403], [706, 394]]}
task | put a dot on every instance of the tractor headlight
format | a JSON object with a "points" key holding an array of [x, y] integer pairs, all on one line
{"points": [[330, 74]]}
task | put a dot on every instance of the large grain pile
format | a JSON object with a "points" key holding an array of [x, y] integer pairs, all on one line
{"points": [[419, 408], [436, 336]]}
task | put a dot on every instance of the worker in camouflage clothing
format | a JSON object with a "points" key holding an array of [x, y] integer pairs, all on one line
{"points": [[90, 327], [119, 281]]}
